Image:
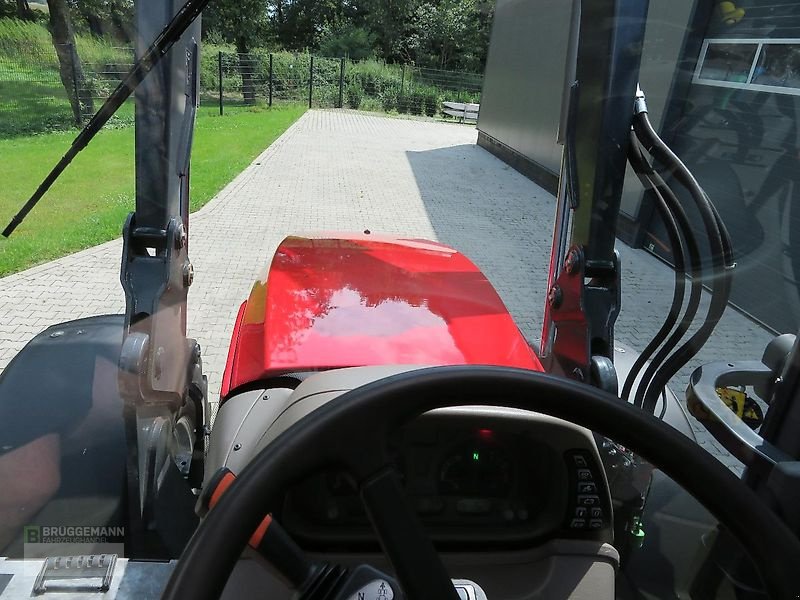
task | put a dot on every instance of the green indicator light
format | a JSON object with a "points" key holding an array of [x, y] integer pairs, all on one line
{"points": [[475, 456]]}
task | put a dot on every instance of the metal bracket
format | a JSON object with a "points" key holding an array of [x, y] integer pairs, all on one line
{"points": [[584, 306], [154, 353]]}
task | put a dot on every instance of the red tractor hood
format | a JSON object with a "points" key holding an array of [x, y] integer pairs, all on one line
{"points": [[330, 301]]}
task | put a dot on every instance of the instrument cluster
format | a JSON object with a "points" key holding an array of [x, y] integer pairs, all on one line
{"points": [[469, 480]]}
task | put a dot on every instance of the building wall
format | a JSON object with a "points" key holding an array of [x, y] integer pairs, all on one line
{"points": [[524, 79], [524, 76]]}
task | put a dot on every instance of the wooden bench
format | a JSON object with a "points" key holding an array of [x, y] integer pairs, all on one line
{"points": [[460, 110]]}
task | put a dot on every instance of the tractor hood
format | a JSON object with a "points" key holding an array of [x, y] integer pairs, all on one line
{"points": [[332, 301]]}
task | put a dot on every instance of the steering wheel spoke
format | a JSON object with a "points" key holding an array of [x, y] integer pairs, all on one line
{"points": [[403, 538]]}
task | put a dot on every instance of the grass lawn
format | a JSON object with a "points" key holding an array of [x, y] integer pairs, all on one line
{"points": [[87, 205]]}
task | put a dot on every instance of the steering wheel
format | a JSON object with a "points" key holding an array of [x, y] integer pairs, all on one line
{"points": [[350, 431]]}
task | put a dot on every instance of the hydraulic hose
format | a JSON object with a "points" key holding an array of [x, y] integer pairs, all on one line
{"points": [[695, 294], [640, 167], [683, 244], [721, 258]]}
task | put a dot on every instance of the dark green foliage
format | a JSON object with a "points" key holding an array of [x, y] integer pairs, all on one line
{"points": [[354, 95], [416, 101], [347, 40], [431, 104], [389, 98], [402, 104], [112, 19]]}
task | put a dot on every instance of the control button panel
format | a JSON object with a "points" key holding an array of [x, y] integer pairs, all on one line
{"points": [[586, 506], [378, 589]]}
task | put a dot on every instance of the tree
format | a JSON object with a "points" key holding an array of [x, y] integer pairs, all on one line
{"points": [[19, 9], [345, 39], [302, 24], [453, 32], [24, 10], [70, 69], [244, 24], [389, 21], [105, 17]]}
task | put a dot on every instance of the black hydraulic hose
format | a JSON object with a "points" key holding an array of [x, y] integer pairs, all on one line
{"points": [[695, 270], [693, 304], [640, 167], [721, 258], [150, 58], [718, 302], [727, 242], [642, 170]]}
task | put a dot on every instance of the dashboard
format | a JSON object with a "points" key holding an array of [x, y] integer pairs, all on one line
{"points": [[478, 477], [514, 500]]}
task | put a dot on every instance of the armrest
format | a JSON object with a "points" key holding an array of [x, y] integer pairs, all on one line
{"points": [[705, 405]]}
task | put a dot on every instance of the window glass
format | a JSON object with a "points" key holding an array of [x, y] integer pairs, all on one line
{"points": [[778, 65], [728, 62]]}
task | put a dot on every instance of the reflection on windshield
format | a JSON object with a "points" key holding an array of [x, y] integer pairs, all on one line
{"points": [[62, 462], [736, 129], [331, 302]]}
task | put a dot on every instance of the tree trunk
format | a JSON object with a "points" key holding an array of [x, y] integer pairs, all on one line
{"points": [[95, 25], [246, 69], [24, 11], [120, 23], [69, 63]]}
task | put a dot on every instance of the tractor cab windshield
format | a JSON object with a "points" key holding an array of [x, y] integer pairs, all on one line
{"points": [[437, 299]]}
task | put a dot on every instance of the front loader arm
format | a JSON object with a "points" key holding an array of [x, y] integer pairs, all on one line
{"points": [[584, 294], [160, 369]]}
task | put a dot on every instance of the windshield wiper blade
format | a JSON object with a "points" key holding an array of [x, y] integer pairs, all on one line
{"points": [[151, 57]]}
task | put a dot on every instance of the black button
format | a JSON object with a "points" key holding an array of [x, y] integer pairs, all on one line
{"points": [[577, 523], [587, 488], [584, 475], [597, 513], [578, 460], [580, 512], [590, 501], [474, 506], [595, 524]]}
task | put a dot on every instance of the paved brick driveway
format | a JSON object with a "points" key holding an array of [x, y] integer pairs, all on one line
{"points": [[345, 170]]}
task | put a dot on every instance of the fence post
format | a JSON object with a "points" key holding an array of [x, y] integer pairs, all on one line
{"points": [[341, 83], [311, 82], [270, 79], [402, 79], [72, 55], [219, 61]]}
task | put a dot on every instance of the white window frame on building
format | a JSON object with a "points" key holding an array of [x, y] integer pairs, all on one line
{"points": [[748, 84]]}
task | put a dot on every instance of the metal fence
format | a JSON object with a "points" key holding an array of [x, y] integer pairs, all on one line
{"points": [[332, 83], [39, 92]]}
